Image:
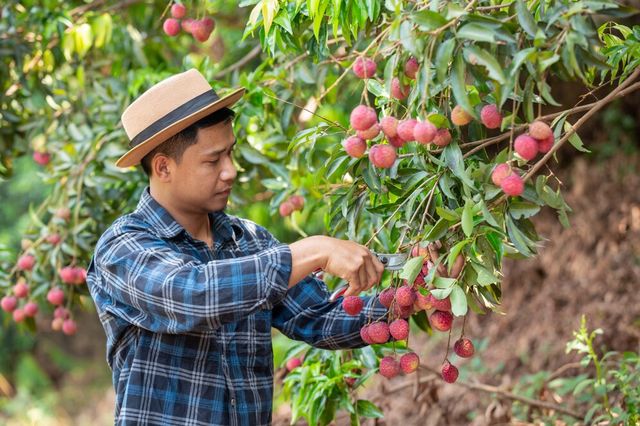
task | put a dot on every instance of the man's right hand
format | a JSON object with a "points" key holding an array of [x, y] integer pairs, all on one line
{"points": [[346, 259]]}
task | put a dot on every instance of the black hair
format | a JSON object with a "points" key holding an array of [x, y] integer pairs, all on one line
{"points": [[175, 146]]}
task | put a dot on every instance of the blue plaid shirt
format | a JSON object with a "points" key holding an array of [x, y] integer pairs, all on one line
{"points": [[189, 328]]}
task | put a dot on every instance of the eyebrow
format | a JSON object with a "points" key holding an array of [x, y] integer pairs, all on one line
{"points": [[218, 151]]}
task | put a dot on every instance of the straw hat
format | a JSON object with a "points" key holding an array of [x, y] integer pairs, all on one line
{"points": [[166, 109]]}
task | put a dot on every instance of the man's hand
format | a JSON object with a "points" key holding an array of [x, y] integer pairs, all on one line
{"points": [[346, 259]]}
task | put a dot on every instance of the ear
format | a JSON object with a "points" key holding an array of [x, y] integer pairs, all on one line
{"points": [[162, 167]]}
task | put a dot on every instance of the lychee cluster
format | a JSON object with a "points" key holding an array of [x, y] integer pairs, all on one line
{"points": [[200, 29], [508, 179], [540, 139], [293, 203]]}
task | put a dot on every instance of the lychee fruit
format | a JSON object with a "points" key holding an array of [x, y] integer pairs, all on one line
{"points": [[411, 68], [398, 90], [442, 138], [355, 146], [286, 208], [293, 363], [396, 141], [389, 367], [68, 275], [26, 262], [26, 244], [382, 156], [449, 372], [56, 324], [419, 250], [526, 147], [405, 296], [352, 305], [363, 117], [187, 25], [500, 172], [540, 130], [379, 332], [409, 362], [21, 289], [399, 329], [440, 304], [405, 129], [545, 145], [423, 303], [61, 312], [209, 24], [8, 303], [386, 296], [441, 320], [63, 213], [389, 126], [463, 347], [297, 201], [460, 117], [54, 239], [69, 327], [490, 116], [19, 315], [369, 133], [512, 185], [42, 158], [171, 27], [424, 132], [364, 67], [178, 10], [402, 311], [200, 30], [55, 296], [364, 335], [30, 309]]}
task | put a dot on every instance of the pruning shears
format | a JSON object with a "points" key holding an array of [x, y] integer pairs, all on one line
{"points": [[391, 262]]}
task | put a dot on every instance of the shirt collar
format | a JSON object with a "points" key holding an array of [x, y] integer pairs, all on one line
{"points": [[165, 226]]}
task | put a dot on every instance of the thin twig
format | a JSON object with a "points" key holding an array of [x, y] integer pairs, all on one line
{"points": [[242, 62]]}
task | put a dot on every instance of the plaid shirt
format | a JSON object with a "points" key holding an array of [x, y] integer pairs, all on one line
{"points": [[189, 328]]}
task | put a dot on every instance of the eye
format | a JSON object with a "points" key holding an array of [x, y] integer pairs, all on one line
{"points": [[213, 162]]}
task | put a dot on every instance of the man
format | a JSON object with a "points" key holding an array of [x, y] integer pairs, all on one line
{"points": [[187, 294]]}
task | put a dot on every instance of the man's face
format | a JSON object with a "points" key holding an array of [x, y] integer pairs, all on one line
{"points": [[203, 179]]}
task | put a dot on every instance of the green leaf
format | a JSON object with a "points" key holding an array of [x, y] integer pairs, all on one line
{"points": [[476, 55], [441, 293], [526, 19], [523, 209], [366, 408], [412, 268], [458, 85], [477, 32], [438, 230], [485, 277], [447, 214], [441, 282], [487, 215], [455, 162], [574, 139], [269, 10], [518, 238], [443, 57], [458, 301], [428, 20], [467, 218], [454, 251]]}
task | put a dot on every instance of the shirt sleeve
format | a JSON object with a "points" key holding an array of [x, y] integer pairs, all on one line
{"points": [[306, 314], [143, 281]]}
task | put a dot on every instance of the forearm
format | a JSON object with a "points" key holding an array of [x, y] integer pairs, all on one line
{"points": [[307, 255]]}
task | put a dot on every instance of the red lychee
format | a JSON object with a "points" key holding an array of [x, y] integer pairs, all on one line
{"points": [[399, 329], [386, 296], [512, 185], [419, 250], [61, 312], [364, 335], [42, 158], [460, 117], [187, 25], [424, 132], [500, 172], [68, 275], [286, 208], [293, 363], [56, 324], [21, 289], [396, 141], [442, 138], [540, 130], [209, 24], [409, 362], [399, 91], [69, 327], [490, 116], [440, 304], [545, 145], [423, 303], [30, 309], [449, 372], [63, 213], [363, 117], [411, 68], [464, 347], [405, 296], [441, 320], [297, 201], [8, 303], [355, 146], [382, 156], [389, 126], [178, 10], [171, 27], [352, 305], [402, 311], [54, 239], [55, 296], [26, 262], [369, 133], [389, 367], [526, 147], [405, 129], [19, 315], [364, 67], [379, 332], [200, 30]]}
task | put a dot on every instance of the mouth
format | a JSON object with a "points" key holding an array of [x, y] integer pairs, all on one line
{"points": [[225, 192]]}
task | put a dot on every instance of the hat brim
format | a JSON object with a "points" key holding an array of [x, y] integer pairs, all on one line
{"points": [[135, 154]]}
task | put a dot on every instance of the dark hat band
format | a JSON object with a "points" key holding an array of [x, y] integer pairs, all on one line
{"points": [[183, 111]]}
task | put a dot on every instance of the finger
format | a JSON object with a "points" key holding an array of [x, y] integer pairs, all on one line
{"points": [[372, 273], [354, 286]]}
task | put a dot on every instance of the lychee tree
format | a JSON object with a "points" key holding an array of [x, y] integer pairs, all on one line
{"points": [[417, 127]]}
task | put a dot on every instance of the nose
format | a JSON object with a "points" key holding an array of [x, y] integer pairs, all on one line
{"points": [[229, 171]]}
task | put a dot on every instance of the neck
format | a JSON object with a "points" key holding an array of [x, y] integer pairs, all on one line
{"points": [[195, 223]]}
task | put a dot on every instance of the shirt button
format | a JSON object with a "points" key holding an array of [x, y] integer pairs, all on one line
{"points": [[233, 401]]}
